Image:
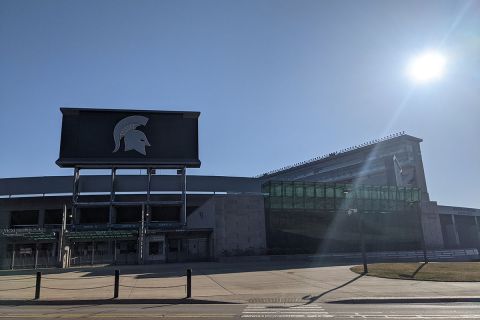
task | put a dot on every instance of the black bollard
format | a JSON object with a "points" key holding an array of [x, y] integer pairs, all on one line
{"points": [[189, 283], [37, 285], [117, 283]]}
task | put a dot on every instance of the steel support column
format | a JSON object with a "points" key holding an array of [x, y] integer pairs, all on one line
{"points": [[183, 218], [141, 237], [362, 241], [149, 190], [76, 192], [112, 196]]}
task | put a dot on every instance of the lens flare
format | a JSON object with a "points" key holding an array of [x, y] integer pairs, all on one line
{"points": [[427, 66]]}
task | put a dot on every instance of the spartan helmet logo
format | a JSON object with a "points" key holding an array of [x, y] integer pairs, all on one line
{"points": [[133, 139]]}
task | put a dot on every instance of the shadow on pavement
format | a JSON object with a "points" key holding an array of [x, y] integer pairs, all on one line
{"points": [[253, 264], [412, 276], [108, 301], [315, 298], [179, 269]]}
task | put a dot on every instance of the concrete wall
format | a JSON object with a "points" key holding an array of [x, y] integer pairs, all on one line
{"points": [[460, 226], [432, 229], [239, 225], [203, 217]]}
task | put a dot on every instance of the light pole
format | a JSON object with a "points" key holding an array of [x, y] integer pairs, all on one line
{"points": [[360, 229], [362, 237]]}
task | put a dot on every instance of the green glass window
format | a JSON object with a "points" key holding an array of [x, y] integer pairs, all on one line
{"points": [[408, 195], [309, 191], [384, 193], [393, 193], [340, 191], [320, 191], [374, 193], [288, 190], [416, 195], [277, 190], [299, 191], [329, 192]]}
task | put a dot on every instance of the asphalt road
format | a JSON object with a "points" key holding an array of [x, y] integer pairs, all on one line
{"points": [[245, 311]]}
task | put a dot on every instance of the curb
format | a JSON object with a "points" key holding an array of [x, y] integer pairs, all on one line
{"points": [[404, 300]]}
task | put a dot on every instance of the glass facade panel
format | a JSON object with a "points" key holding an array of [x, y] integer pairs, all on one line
{"points": [[340, 191], [393, 193], [288, 190], [308, 195], [277, 190], [320, 190], [310, 191], [329, 192]]}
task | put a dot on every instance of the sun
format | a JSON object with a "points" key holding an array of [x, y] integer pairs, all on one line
{"points": [[427, 66]]}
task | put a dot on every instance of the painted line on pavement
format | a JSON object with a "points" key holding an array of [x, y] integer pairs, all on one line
{"points": [[285, 311]]}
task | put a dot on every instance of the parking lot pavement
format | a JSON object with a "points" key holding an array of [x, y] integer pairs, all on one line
{"points": [[237, 282]]}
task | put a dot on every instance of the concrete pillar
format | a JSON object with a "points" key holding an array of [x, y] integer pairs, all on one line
{"points": [[41, 218], [455, 231], [148, 214], [478, 231], [113, 215], [431, 225], [76, 217]]}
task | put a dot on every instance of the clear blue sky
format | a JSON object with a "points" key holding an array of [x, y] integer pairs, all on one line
{"points": [[277, 82]]}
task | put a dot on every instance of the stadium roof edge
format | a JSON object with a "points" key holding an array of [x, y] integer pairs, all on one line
{"points": [[357, 148]]}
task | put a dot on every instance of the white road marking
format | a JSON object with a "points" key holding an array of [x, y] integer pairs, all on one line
{"points": [[285, 311]]}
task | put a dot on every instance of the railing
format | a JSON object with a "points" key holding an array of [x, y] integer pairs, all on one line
{"points": [[57, 284]]}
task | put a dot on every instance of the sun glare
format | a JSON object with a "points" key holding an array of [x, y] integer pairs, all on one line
{"points": [[427, 66]]}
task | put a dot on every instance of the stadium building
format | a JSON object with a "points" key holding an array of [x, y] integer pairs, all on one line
{"points": [[153, 217]]}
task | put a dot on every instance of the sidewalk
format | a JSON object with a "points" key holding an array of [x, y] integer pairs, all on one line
{"points": [[226, 282]]}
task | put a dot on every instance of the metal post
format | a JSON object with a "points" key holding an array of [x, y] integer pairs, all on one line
{"points": [[112, 196], [37, 285], [422, 235], [117, 283], [362, 242], [61, 237], [76, 180], [184, 196], [149, 189], [189, 283], [141, 236]]}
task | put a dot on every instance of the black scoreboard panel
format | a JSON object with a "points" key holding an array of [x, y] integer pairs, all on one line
{"points": [[100, 138]]}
